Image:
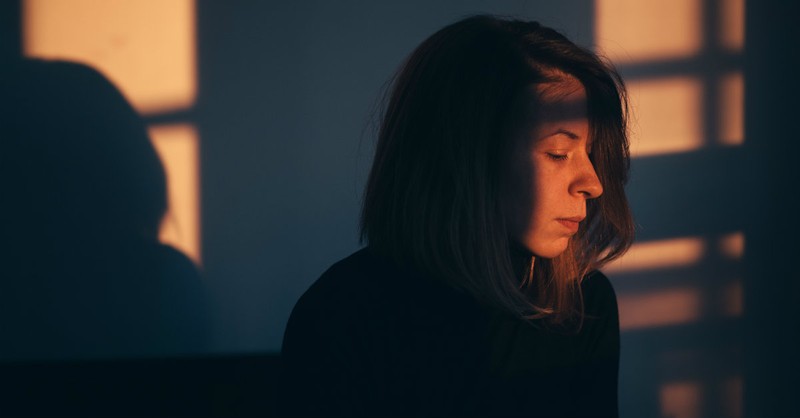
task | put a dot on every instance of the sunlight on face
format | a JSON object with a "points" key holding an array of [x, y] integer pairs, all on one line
{"points": [[551, 175]]}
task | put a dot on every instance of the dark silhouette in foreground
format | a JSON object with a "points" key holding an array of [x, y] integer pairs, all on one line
{"points": [[84, 192], [98, 318]]}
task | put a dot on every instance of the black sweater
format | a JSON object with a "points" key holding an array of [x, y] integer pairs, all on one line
{"points": [[371, 339]]}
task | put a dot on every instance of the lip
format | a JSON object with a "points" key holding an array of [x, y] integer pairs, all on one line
{"points": [[572, 223]]}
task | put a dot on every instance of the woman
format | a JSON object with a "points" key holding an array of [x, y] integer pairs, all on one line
{"points": [[495, 194]]}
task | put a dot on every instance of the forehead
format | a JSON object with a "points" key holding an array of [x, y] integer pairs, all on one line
{"points": [[559, 100]]}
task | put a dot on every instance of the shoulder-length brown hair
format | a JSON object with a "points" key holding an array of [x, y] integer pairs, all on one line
{"points": [[433, 197]]}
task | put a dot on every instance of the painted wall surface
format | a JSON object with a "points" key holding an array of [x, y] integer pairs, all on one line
{"points": [[282, 119]]}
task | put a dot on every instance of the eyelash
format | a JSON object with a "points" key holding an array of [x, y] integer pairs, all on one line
{"points": [[557, 157]]}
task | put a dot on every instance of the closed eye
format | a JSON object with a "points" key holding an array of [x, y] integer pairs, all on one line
{"points": [[557, 157]]}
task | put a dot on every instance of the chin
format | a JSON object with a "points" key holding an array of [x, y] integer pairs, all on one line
{"points": [[548, 250]]}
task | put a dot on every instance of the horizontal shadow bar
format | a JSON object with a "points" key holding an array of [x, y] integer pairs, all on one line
{"points": [[690, 194]]}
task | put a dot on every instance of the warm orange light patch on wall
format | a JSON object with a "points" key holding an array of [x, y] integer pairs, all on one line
{"points": [[635, 30], [730, 105], [675, 252], [732, 397], [658, 308], [681, 399], [731, 24], [668, 110], [732, 245], [667, 116], [146, 47], [177, 146], [732, 299]]}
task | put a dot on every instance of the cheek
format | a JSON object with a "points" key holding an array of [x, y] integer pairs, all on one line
{"points": [[541, 235], [531, 208], [542, 192]]}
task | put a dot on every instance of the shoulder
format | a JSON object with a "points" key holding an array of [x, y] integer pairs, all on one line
{"points": [[175, 263], [599, 296], [601, 317], [352, 270], [596, 281], [346, 289], [162, 267], [368, 280], [346, 282], [367, 291]]}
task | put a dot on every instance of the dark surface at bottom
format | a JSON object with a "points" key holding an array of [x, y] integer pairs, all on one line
{"points": [[205, 386]]}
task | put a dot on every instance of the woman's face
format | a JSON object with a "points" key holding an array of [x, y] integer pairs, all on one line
{"points": [[551, 176]]}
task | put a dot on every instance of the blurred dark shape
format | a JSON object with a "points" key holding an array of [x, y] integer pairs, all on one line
{"points": [[84, 192]]}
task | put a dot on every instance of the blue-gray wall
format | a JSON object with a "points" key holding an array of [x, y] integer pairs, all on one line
{"points": [[287, 95]]}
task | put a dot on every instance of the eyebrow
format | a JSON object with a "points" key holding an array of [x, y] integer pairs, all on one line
{"points": [[569, 134]]}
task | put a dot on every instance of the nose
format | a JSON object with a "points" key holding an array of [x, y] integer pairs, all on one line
{"points": [[586, 183]]}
